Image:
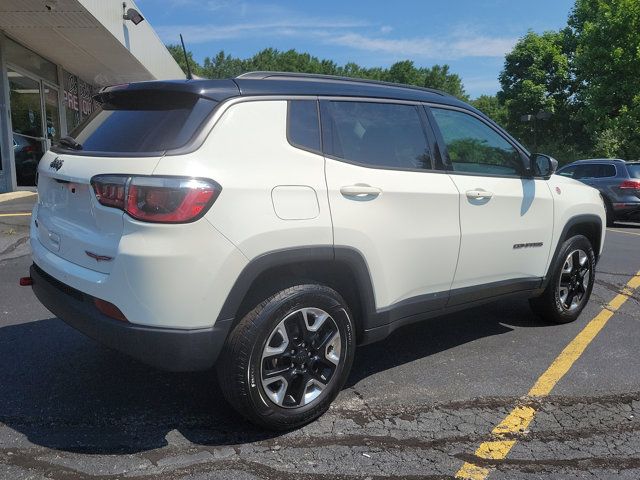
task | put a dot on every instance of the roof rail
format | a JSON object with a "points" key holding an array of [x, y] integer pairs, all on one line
{"points": [[262, 75]]}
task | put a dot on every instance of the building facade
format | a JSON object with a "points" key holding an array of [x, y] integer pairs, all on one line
{"points": [[54, 55]]}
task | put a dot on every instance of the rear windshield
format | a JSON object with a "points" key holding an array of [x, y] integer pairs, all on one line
{"points": [[634, 170], [142, 122]]}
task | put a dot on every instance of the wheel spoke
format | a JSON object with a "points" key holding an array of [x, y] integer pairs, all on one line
{"points": [[300, 357]]}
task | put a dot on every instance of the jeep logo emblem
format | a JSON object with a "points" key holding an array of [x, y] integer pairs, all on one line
{"points": [[56, 163]]}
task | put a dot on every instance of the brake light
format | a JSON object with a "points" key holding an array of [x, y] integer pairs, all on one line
{"points": [[630, 184], [157, 199], [110, 190]]}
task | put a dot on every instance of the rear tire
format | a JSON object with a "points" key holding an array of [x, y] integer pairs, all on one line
{"points": [[570, 283], [287, 359]]}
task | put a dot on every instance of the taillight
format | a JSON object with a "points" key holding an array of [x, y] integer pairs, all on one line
{"points": [[630, 184], [157, 199]]}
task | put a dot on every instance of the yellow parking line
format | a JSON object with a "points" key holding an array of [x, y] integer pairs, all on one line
{"points": [[520, 417], [14, 214], [623, 231]]}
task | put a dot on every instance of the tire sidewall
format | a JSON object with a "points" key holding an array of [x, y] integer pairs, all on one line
{"points": [[273, 313]]}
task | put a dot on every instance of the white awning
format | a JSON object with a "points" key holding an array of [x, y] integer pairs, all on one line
{"points": [[90, 39]]}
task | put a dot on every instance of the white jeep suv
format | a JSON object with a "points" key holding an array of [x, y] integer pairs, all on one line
{"points": [[270, 223]]}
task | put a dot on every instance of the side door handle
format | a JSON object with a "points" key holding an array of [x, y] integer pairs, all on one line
{"points": [[360, 191], [478, 194]]}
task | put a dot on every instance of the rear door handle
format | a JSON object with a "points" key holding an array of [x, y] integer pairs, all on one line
{"points": [[360, 190], [478, 194]]}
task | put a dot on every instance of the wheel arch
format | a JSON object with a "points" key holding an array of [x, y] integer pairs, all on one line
{"points": [[342, 268], [588, 225]]}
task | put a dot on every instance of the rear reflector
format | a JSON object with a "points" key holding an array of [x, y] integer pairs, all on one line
{"points": [[630, 185], [26, 281], [109, 309], [157, 199]]}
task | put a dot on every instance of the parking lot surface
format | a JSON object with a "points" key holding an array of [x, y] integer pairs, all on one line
{"points": [[418, 405]]}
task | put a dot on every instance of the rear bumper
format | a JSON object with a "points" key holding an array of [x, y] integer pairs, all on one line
{"points": [[166, 348], [626, 209]]}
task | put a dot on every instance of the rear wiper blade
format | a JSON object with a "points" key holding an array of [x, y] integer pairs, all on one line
{"points": [[70, 142]]}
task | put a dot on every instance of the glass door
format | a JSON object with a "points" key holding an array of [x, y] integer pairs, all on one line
{"points": [[29, 142]]}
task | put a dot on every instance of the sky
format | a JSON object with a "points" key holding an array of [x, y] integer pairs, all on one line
{"points": [[472, 36]]}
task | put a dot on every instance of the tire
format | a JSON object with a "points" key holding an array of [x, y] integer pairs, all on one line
{"points": [[570, 283], [276, 370]]}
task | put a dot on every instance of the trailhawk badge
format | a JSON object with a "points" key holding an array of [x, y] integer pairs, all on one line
{"points": [[56, 163]]}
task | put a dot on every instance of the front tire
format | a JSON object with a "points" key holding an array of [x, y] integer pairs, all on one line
{"points": [[570, 284], [287, 359]]}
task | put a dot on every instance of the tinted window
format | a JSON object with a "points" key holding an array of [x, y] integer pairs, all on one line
{"points": [[634, 170], [382, 135], [591, 170], [607, 171], [303, 127], [567, 171], [139, 122], [475, 147]]}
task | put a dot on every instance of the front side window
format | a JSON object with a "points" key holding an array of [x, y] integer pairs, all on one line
{"points": [[474, 147], [568, 171], [381, 135]]}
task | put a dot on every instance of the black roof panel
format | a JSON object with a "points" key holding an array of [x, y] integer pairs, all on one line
{"points": [[276, 83]]}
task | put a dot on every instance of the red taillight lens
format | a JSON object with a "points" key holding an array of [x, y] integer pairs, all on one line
{"points": [[630, 184], [110, 190], [157, 199]]}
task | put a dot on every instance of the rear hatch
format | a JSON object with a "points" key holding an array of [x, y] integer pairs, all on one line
{"points": [[128, 135]]}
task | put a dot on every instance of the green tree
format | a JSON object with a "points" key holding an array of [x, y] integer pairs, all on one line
{"points": [[606, 38], [270, 59], [537, 77], [440, 78], [178, 55], [491, 106]]}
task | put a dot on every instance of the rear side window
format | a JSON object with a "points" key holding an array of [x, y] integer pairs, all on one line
{"points": [[595, 170], [140, 122], [303, 125], [382, 135], [474, 147], [634, 170]]}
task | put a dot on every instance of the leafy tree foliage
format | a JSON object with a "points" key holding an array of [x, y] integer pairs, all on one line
{"points": [[270, 59], [606, 37], [491, 106]]}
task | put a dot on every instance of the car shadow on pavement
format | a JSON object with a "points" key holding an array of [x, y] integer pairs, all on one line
{"points": [[64, 391], [438, 334]]}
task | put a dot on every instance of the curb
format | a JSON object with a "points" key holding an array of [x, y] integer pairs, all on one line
{"points": [[5, 197]]}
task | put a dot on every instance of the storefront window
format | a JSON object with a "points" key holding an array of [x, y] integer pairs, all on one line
{"points": [[24, 58], [78, 100], [26, 121], [52, 112]]}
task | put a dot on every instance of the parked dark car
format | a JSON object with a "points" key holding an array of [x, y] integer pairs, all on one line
{"points": [[27, 153], [617, 180]]}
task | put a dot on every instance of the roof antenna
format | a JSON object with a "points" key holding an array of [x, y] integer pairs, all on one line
{"points": [[186, 59]]}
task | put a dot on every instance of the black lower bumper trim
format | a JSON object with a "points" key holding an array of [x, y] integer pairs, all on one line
{"points": [[166, 348]]}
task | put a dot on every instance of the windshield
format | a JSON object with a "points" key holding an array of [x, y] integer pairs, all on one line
{"points": [[141, 122]]}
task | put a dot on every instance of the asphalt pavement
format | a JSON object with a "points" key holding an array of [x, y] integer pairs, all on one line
{"points": [[417, 405]]}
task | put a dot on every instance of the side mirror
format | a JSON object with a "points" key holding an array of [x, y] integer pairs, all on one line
{"points": [[543, 165]]}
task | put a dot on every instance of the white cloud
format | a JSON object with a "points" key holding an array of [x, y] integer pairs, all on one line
{"points": [[426, 47], [290, 27]]}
